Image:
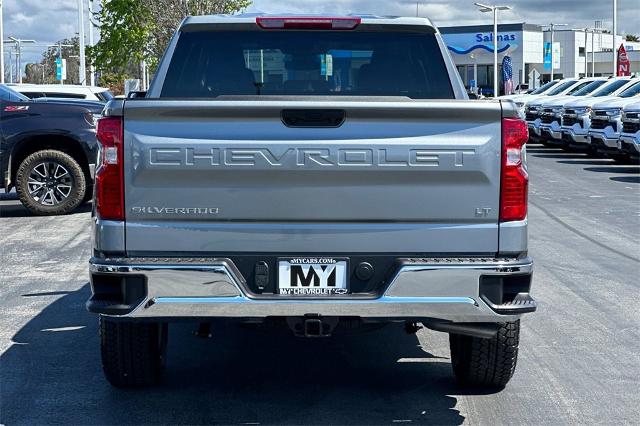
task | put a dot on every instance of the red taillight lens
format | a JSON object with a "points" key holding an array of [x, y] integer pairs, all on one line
{"points": [[109, 189], [514, 184], [307, 23]]}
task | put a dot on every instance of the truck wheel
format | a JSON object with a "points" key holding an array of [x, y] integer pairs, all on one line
{"points": [[133, 353], [486, 362], [621, 158], [50, 182]]}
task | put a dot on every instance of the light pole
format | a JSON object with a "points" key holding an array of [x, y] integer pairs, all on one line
{"points": [[615, 30], [593, 32], [1, 45], [18, 43], [92, 23], [8, 52], [551, 27], [82, 71], [494, 9], [586, 74]]}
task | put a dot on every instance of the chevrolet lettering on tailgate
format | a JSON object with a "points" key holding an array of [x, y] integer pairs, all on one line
{"points": [[397, 157]]}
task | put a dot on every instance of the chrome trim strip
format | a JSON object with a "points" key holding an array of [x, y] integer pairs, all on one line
{"points": [[383, 299], [436, 288]]}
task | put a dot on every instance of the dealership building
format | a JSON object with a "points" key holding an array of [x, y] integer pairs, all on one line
{"points": [[529, 47]]}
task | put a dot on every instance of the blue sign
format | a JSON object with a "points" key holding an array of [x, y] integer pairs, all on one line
{"points": [[463, 44], [58, 69], [547, 55], [480, 37], [61, 69]]}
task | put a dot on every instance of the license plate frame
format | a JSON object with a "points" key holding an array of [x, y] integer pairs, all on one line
{"points": [[304, 276]]}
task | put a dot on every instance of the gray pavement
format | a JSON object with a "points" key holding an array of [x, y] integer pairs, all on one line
{"points": [[579, 361]]}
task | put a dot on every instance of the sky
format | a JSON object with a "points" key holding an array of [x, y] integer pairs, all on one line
{"points": [[47, 21]]}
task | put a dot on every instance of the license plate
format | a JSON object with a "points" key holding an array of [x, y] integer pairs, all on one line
{"points": [[312, 276]]}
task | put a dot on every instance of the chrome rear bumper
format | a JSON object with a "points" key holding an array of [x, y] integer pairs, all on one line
{"points": [[446, 289]]}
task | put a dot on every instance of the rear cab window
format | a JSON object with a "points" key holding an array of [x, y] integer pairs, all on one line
{"points": [[65, 95], [104, 96], [209, 64], [34, 95]]}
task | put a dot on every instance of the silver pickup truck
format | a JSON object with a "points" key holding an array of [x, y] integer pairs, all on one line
{"points": [[322, 173]]}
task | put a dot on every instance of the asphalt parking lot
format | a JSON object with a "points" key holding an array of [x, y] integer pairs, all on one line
{"points": [[579, 360]]}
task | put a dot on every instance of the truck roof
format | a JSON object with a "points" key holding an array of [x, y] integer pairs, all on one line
{"points": [[248, 18], [68, 88]]}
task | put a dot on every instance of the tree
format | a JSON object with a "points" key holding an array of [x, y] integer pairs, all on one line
{"points": [[136, 30], [167, 15], [125, 26], [632, 37], [35, 74]]}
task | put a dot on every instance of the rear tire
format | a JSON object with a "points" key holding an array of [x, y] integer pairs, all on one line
{"points": [[593, 153], [50, 182], [486, 362], [621, 158], [133, 353]]}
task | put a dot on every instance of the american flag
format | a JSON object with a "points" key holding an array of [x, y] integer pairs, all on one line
{"points": [[507, 75]]}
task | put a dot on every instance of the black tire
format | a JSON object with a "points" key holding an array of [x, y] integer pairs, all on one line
{"points": [[593, 153], [481, 362], [74, 182], [621, 158], [133, 353]]}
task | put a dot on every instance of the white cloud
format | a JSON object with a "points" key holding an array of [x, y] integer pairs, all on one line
{"points": [[50, 20]]}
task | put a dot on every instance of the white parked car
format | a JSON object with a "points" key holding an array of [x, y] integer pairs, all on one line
{"points": [[539, 91], [551, 109], [533, 107], [606, 123], [67, 91], [576, 118], [522, 98], [630, 134]]}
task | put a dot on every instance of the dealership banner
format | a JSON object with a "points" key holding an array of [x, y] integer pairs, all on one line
{"points": [[547, 55], [624, 66], [482, 42]]}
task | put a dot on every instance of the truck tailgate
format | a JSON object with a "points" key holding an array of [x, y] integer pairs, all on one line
{"points": [[221, 176]]}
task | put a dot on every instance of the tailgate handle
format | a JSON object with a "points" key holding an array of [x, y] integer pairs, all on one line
{"points": [[313, 117]]}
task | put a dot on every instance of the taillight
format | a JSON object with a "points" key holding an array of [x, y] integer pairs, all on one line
{"points": [[109, 184], [514, 182], [307, 23]]}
